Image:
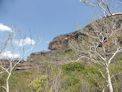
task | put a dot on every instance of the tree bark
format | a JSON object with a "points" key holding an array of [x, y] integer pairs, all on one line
{"points": [[110, 86], [7, 82]]}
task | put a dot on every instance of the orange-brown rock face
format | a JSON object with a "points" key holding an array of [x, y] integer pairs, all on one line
{"points": [[62, 41]]}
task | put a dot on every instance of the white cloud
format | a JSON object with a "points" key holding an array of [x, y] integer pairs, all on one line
{"points": [[4, 28], [8, 55], [26, 41]]}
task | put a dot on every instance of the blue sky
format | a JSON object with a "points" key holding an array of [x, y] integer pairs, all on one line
{"points": [[45, 19]]}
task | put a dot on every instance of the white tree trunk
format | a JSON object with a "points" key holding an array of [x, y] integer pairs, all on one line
{"points": [[110, 86], [7, 82], [7, 86]]}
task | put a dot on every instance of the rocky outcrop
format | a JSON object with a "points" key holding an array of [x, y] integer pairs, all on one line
{"points": [[23, 65], [42, 53], [62, 41]]}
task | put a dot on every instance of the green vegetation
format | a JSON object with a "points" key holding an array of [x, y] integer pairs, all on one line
{"points": [[72, 77]]}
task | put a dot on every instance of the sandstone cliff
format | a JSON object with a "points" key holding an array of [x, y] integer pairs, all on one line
{"points": [[62, 41]]}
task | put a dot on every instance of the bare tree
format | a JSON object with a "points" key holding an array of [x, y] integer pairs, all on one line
{"points": [[101, 45], [104, 5], [9, 62]]}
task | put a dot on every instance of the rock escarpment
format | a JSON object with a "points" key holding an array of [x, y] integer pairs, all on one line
{"points": [[23, 65], [62, 41], [59, 47], [105, 24]]}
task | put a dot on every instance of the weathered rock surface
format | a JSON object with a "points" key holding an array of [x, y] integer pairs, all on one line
{"points": [[62, 41], [23, 65]]}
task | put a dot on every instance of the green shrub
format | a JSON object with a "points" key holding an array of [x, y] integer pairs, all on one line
{"points": [[73, 67], [39, 84]]}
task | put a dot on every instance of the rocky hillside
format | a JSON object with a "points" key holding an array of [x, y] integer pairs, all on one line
{"points": [[60, 46], [107, 23]]}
